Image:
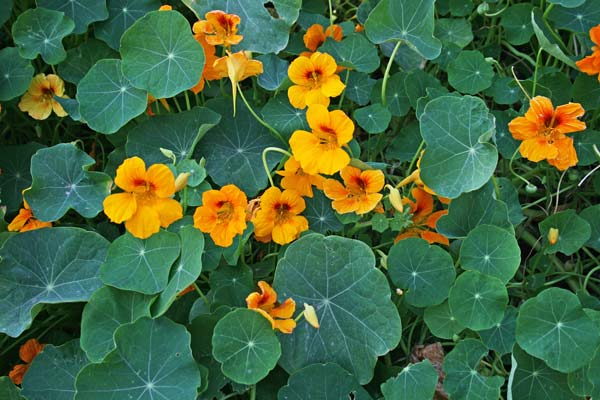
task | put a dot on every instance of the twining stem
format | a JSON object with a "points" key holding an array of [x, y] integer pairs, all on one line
{"points": [[344, 92], [512, 70], [386, 75], [330, 14], [266, 165], [510, 167], [535, 72], [273, 131], [201, 294], [518, 53]]}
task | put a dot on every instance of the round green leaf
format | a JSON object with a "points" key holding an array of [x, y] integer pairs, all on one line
{"points": [[470, 73], [463, 381], [5, 12], [552, 326], [83, 12], [160, 55], [354, 51], [458, 158], [359, 86], [504, 91], [578, 19], [108, 309], [15, 74], [61, 181], [230, 284], [14, 163], [152, 360], [352, 300], [121, 15], [8, 390], [202, 328], [176, 132], [579, 381], [451, 30], [416, 83], [274, 71], [478, 301], [584, 145], [441, 321], [107, 100], [501, 337], [41, 31], [321, 217], [592, 216], [52, 373], [398, 102], [492, 251], [425, 272], [374, 118], [51, 265], [322, 382], [141, 265], [82, 58], [405, 143], [246, 346], [406, 20], [573, 232], [516, 21], [281, 115], [532, 379], [415, 382]]}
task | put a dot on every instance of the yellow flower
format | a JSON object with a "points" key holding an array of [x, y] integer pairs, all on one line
{"points": [[278, 218], [361, 191], [39, 100], [294, 178], [279, 316], [26, 221], [222, 214], [146, 203], [237, 67], [315, 80], [321, 151], [220, 28]]}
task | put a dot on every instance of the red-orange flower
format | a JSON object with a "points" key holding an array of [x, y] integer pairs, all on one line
{"points": [[26, 221], [295, 178], [280, 316], [360, 193], [543, 132], [208, 72], [424, 218], [591, 64], [220, 28], [315, 36], [28, 351], [278, 218]]}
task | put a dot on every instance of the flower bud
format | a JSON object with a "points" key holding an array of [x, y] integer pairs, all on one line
{"points": [[553, 236], [181, 181], [530, 188], [395, 198], [169, 154], [310, 315], [399, 292]]}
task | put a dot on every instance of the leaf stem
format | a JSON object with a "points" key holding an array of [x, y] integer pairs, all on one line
{"points": [[201, 294], [535, 72], [386, 75], [266, 165], [274, 132]]}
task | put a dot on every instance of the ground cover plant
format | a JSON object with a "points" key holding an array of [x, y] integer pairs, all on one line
{"points": [[299, 199]]}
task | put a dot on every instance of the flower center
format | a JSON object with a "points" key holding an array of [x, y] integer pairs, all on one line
{"points": [[225, 211], [47, 94], [327, 137], [282, 212], [314, 77]]}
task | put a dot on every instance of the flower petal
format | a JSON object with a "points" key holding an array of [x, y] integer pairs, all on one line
{"points": [[144, 223], [161, 179], [130, 174], [120, 207]]}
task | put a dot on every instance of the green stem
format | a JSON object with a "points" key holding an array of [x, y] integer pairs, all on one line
{"points": [[276, 134], [386, 75], [510, 167], [201, 294], [331, 18], [187, 100], [535, 72], [588, 276], [518, 53], [266, 165], [344, 92], [253, 392]]}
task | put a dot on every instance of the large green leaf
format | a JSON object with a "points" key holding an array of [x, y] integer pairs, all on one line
{"points": [[578, 19], [415, 382], [478, 301], [41, 31], [516, 21], [354, 51], [553, 326], [108, 309], [454, 30], [141, 265], [52, 373], [51, 265], [152, 360], [352, 300], [463, 381], [458, 158], [160, 54], [83, 12], [322, 382], [406, 20], [425, 272], [8, 390], [15, 74], [573, 232], [233, 149], [107, 100], [246, 346], [263, 32], [441, 321], [121, 15], [15, 176], [176, 132], [470, 73], [61, 181]]}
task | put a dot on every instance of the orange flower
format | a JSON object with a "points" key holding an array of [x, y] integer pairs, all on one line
{"points": [[320, 152], [222, 214], [423, 218], [591, 64], [315, 80], [543, 130], [28, 351], [315, 36], [237, 67], [26, 221], [294, 178], [39, 100], [152, 99], [278, 218], [220, 28], [208, 72], [166, 7], [361, 191], [146, 203], [264, 302]]}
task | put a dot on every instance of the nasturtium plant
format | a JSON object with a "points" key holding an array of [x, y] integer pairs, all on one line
{"points": [[15, 74]]}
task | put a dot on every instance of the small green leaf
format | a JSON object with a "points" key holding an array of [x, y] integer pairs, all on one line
{"points": [[478, 301], [373, 119], [140, 265], [15, 176], [160, 54], [107, 100], [83, 12], [121, 15], [584, 145], [406, 20], [573, 232], [516, 21], [354, 51], [321, 217], [61, 181], [202, 328], [359, 86], [501, 337], [274, 71], [504, 91], [46, 266], [441, 321], [415, 382], [152, 360], [405, 143], [52, 373], [398, 102], [470, 73], [246, 346], [553, 326], [425, 272], [15, 74], [230, 284], [454, 30], [41, 31], [82, 58], [416, 83]]}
